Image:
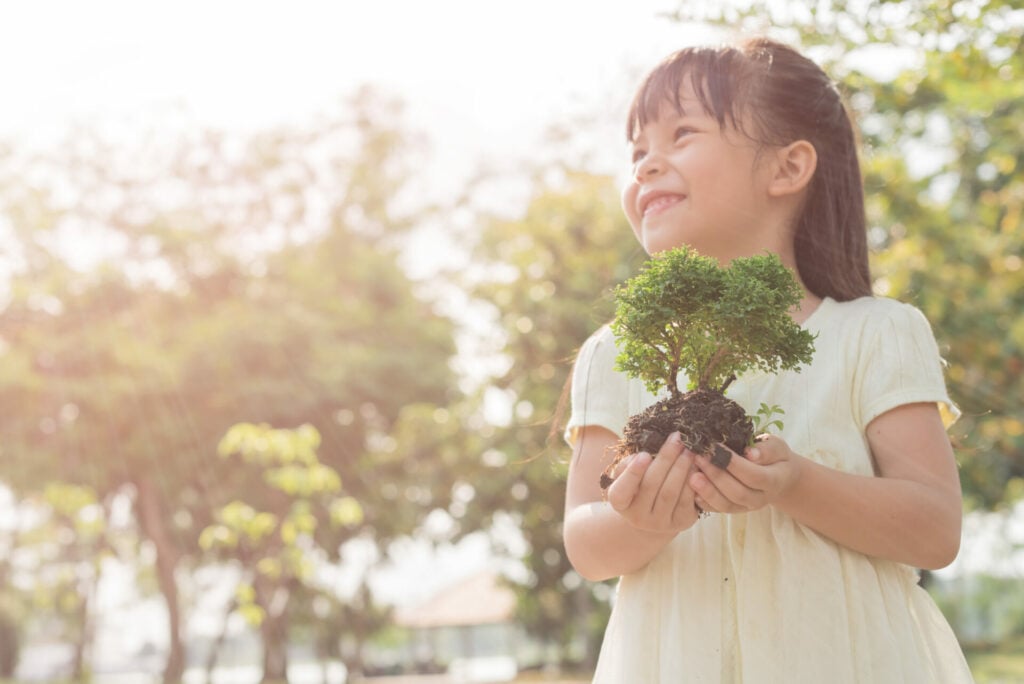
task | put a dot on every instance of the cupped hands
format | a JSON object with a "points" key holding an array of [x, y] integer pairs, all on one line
{"points": [[654, 493], [768, 472]]}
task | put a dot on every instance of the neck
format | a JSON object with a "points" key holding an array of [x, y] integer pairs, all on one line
{"points": [[806, 307], [810, 301]]}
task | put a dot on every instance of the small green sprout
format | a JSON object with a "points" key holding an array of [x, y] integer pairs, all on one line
{"points": [[763, 419]]}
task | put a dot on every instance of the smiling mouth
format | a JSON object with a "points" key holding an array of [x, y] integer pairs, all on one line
{"points": [[661, 203]]}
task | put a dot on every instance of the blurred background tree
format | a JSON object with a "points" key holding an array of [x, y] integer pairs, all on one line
{"points": [[547, 276], [235, 280], [277, 546]]}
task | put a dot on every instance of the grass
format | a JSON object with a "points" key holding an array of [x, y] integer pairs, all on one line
{"points": [[1001, 664]]}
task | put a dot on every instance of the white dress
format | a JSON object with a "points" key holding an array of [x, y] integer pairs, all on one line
{"points": [[758, 598]]}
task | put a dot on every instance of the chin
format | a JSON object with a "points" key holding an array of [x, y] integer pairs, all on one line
{"points": [[653, 244], [653, 247]]}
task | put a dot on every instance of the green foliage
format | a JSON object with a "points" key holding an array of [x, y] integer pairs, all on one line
{"points": [[684, 312], [245, 600], [982, 609], [548, 274], [763, 419], [58, 544], [255, 278], [278, 548], [279, 542]]}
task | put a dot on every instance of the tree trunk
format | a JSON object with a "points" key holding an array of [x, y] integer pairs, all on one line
{"points": [[78, 654], [325, 637], [10, 645], [323, 654], [273, 597], [218, 644], [152, 520], [274, 631], [78, 660]]}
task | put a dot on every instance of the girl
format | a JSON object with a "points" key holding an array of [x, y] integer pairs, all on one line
{"points": [[804, 569]]}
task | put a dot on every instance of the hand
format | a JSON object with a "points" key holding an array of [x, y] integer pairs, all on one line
{"points": [[654, 494], [769, 470]]}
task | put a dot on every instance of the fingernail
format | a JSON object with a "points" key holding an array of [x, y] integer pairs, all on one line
{"points": [[643, 458]]}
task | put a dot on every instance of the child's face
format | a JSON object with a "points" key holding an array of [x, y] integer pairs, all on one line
{"points": [[698, 184]]}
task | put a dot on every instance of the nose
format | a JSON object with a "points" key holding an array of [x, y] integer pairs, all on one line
{"points": [[649, 166]]}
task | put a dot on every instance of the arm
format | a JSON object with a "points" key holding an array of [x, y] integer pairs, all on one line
{"points": [[648, 504], [910, 513]]}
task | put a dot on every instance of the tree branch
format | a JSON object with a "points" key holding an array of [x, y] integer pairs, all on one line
{"points": [[716, 358]]}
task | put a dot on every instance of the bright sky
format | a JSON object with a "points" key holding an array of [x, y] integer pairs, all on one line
{"points": [[495, 68], [483, 80]]}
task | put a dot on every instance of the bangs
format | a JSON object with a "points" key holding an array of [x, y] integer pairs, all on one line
{"points": [[715, 74]]}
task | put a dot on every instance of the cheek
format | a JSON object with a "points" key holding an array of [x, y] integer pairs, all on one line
{"points": [[629, 195]]}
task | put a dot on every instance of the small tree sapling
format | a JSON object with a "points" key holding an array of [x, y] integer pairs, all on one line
{"points": [[685, 313]]}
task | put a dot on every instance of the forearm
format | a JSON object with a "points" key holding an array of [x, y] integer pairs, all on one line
{"points": [[601, 544], [886, 517]]}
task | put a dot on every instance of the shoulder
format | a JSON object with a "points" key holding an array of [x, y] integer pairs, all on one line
{"points": [[600, 345], [871, 306], [599, 392], [874, 316], [896, 358], [597, 357]]}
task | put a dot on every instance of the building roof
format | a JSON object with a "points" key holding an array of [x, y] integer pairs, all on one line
{"points": [[481, 599]]}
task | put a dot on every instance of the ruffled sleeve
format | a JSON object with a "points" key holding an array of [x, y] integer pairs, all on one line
{"points": [[900, 364], [599, 392]]}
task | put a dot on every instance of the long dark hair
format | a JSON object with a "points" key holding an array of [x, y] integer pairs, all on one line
{"points": [[785, 97]]}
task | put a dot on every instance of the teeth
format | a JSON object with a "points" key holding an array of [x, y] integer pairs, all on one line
{"points": [[660, 202]]}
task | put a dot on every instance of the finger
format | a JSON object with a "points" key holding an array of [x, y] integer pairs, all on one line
{"points": [[722, 491], [685, 512], [673, 445], [623, 490], [746, 470], [767, 450], [672, 488], [702, 507], [721, 455], [704, 493], [654, 478]]}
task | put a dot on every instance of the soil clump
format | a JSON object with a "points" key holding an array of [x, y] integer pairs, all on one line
{"points": [[704, 418]]}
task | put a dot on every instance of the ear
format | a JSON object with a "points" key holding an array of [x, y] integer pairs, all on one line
{"points": [[794, 167]]}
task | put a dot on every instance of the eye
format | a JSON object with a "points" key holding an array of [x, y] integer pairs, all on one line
{"points": [[682, 132], [638, 154]]}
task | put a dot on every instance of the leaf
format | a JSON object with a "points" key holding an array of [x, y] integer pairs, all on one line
{"points": [[252, 614], [269, 567], [685, 312], [346, 511]]}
